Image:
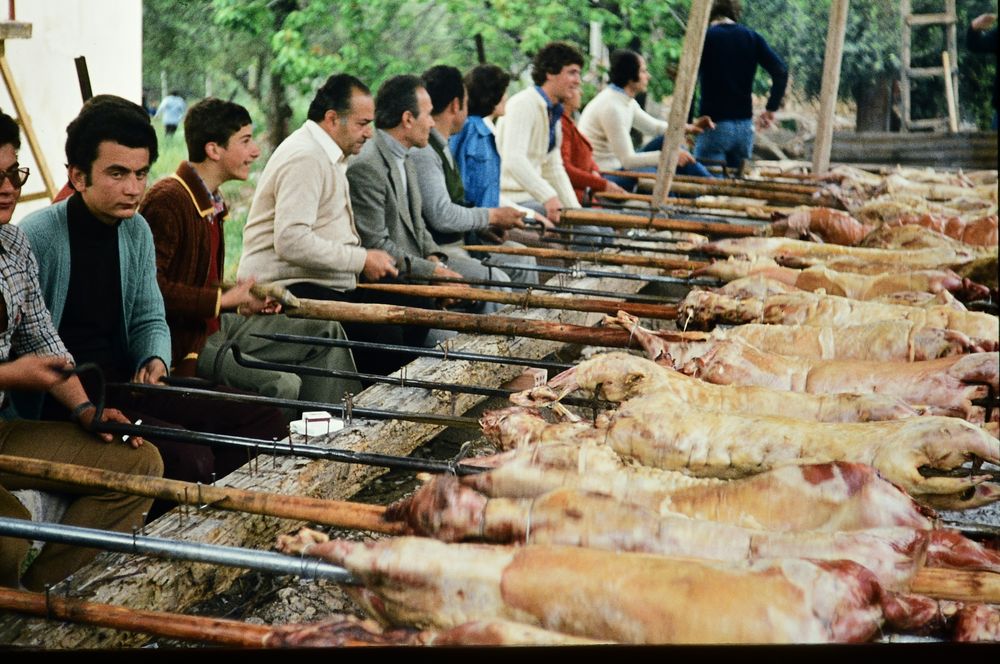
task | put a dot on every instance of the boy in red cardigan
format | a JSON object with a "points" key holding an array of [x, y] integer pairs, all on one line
{"points": [[578, 154]]}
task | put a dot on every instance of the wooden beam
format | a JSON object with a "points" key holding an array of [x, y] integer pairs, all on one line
{"points": [[831, 83], [949, 93], [687, 76]]}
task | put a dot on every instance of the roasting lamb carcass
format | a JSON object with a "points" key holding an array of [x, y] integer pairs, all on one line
{"points": [[622, 597], [704, 309], [799, 253], [708, 444], [827, 496], [827, 224], [620, 376], [949, 384], [845, 284], [449, 511], [899, 340]]}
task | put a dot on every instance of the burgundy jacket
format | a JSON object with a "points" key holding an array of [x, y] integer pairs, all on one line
{"points": [[578, 158], [176, 208]]}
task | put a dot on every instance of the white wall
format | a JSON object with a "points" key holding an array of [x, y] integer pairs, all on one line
{"points": [[108, 33]]}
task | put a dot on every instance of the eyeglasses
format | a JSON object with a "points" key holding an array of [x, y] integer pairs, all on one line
{"points": [[17, 176]]}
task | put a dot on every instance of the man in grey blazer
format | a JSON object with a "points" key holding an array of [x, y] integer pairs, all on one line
{"points": [[385, 192]]}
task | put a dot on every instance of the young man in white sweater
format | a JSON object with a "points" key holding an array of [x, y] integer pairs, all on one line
{"points": [[529, 134], [609, 117]]}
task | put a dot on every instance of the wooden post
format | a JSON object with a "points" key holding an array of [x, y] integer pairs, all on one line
{"points": [[687, 76], [831, 82]]}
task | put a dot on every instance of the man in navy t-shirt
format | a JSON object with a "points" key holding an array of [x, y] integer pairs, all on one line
{"points": [[729, 62]]}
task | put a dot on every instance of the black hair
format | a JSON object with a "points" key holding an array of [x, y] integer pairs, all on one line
{"points": [[624, 67], [551, 59], [10, 132], [108, 119], [725, 9], [444, 83], [335, 95], [486, 85], [395, 97], [212, 120]]}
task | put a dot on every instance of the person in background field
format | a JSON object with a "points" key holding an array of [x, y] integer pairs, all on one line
{"points": [[33, 357], [171, 112], [578, 154], [981, 39], [450, 218], [186, 213], [729, 62], [97, 273], [611, 115]]}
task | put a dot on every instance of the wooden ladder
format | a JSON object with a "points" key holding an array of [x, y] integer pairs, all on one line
{"points": [[21, 30], [947, 18]]}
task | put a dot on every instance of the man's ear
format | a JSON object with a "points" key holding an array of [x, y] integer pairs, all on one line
{"points": [[407, 119], [212, 151], [77, 178], [455, 106], [331, 117]]}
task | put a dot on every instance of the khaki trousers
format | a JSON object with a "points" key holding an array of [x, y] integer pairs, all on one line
{"points": [[65, 442]]}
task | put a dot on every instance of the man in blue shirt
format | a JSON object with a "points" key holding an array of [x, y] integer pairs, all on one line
{"points": [[171, 112]]}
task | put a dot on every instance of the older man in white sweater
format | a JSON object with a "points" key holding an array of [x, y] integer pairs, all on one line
{"points": [[611, 115]]}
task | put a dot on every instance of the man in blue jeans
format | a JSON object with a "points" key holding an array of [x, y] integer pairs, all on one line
{"points": [[729, 62]]}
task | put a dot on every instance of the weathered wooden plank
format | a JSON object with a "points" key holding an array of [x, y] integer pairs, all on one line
{"points": [[145, 583]]}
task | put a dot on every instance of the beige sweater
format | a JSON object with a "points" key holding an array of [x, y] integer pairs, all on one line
{"points": [[528, 170], [301, 226], [606, 122]]}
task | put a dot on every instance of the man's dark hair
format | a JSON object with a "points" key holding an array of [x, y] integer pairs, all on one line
{"points": [[335, 95], [395, 97], [552, 58], [486, 85], [212, 120], [444, 83], [725, 9], [624, 67], [109, 119], [10, 132]]}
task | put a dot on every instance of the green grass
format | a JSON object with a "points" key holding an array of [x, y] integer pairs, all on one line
{"points": [[238, 195]]}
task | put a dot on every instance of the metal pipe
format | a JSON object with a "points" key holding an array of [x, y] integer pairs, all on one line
{"points": [[177, 387], [230, 556], [391, 380], [275, 448], [577, 272], [596, 245], [521, 285], [422, 352]]}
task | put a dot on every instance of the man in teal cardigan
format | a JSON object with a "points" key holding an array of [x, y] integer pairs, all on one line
{"points": [[97, 271]]}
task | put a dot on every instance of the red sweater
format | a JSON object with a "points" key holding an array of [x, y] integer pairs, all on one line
{"points": [[578, 159]]}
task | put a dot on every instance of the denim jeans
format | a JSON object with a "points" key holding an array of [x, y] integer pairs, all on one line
{"points": [[629, 184], [731, 141]]}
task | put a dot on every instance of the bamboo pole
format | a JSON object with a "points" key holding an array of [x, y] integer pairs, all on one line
{"points": [[687, 76], [357, 516], [530, 299], [831, 82], [710, 183], [449, 320], [591, 256], [216, 631], [582, 217], [959, 585], [752, 210]]}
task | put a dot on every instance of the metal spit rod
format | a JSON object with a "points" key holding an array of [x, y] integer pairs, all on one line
{"points": [[523, 285], [422, 352], [577, 272], [276, 448], [230, 556]]}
